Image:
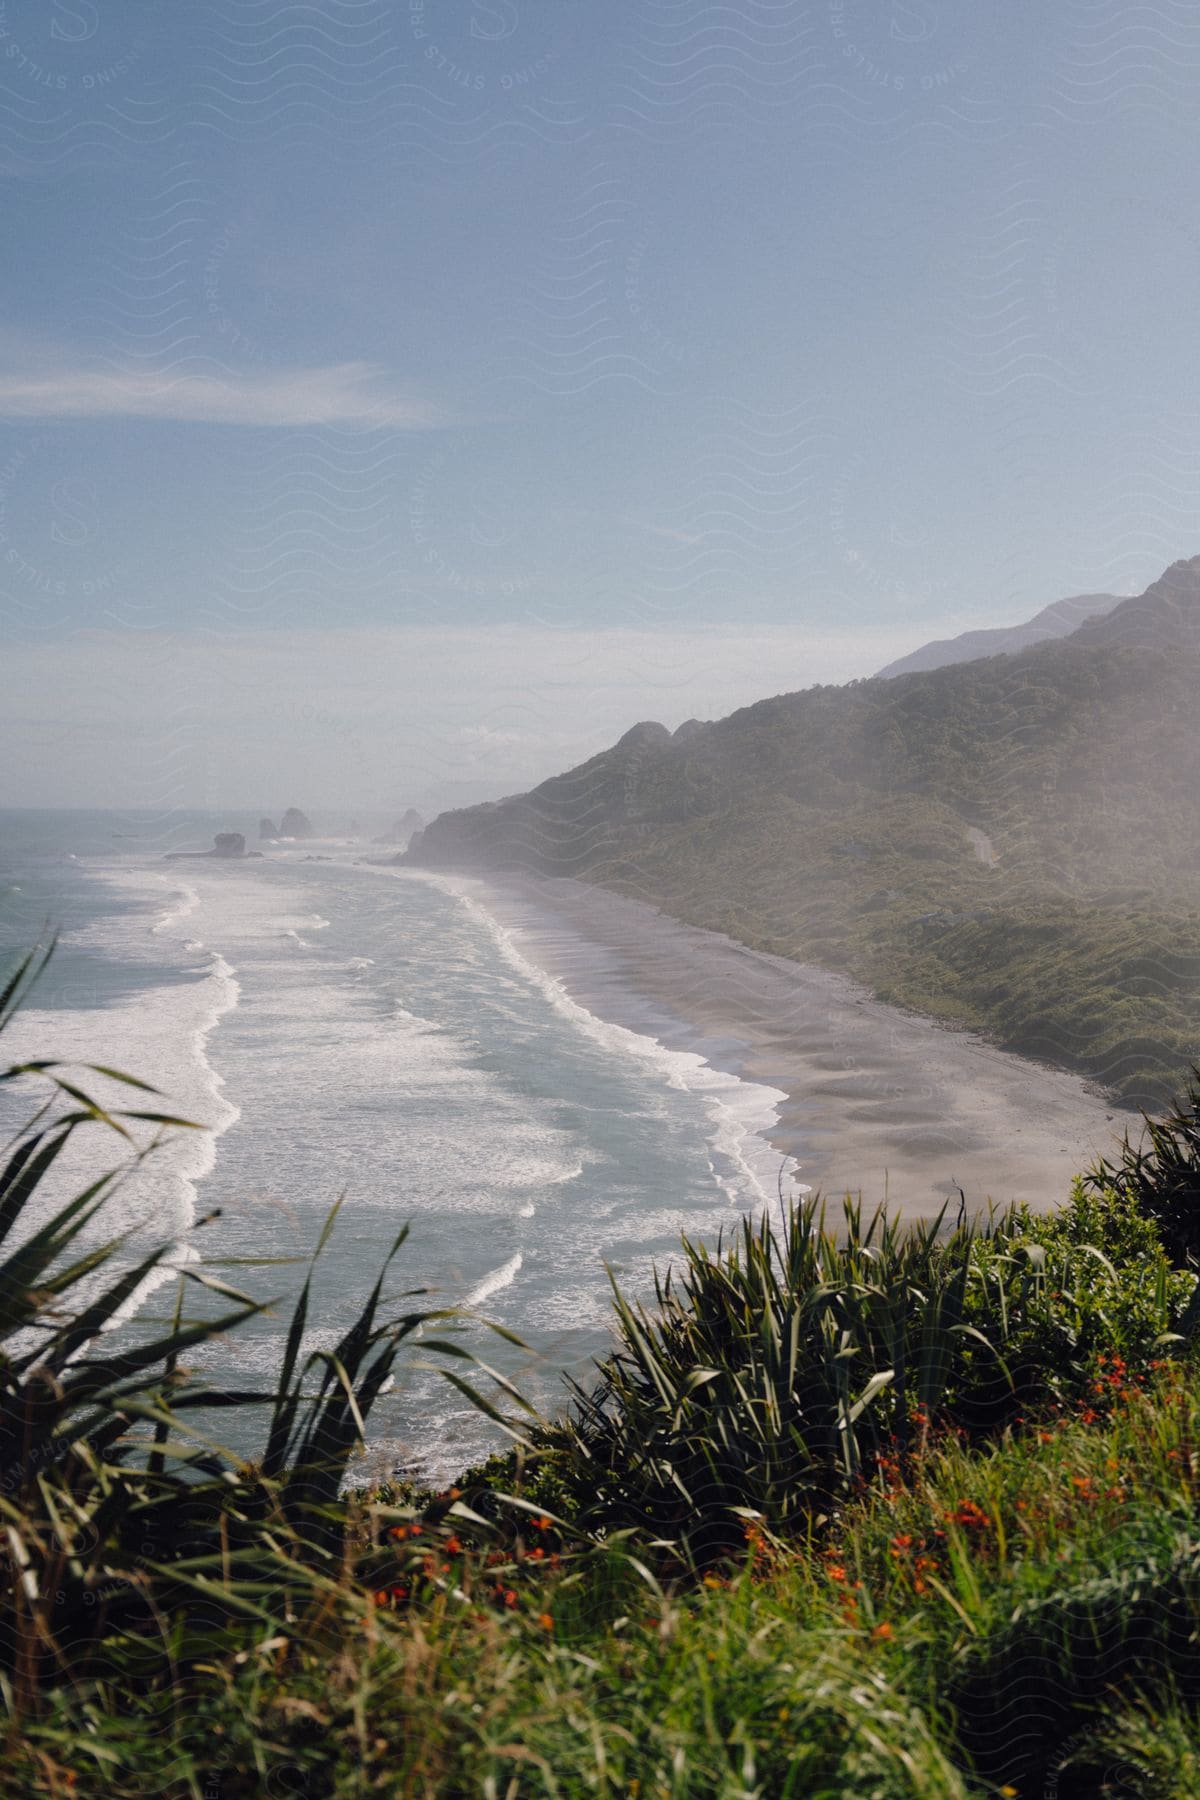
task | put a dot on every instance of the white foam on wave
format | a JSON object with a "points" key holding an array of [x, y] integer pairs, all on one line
{"points": [[496, 1281], [440, 1123], [185, 899], [159, 1033], [740, 1112]]}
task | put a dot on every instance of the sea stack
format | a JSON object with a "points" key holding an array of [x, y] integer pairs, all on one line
{"points": [[267, 832], [294, 824], [228, 846]]}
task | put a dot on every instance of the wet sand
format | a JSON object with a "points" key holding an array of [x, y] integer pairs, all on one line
{"points": [[879, 1102]]}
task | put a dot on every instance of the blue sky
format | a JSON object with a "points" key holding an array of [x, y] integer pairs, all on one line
{"points": [[491, 375]]}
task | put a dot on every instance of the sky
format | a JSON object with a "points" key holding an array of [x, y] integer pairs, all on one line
{"points": [[398, 400]]}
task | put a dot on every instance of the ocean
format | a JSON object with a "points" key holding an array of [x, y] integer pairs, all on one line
{"points": [[344, 1028]]}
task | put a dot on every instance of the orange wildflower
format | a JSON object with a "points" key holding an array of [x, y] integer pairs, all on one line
{"points": [[971, 1515]]}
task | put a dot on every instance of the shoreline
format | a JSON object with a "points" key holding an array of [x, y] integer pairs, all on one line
{"points": [[874, 1100]]}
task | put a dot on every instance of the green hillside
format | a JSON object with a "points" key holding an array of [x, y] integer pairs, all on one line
{"points": [[1011, 844]]}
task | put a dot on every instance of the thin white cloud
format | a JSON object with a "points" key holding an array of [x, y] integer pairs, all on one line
{"points": [[347, 394]]}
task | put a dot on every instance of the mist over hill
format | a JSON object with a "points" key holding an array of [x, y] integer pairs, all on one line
{"points": [[1011, 843], [1054, 621]]}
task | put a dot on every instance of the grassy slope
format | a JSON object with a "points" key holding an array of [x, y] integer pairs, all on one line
{"points": [[1026, 1604], [832, 825]]}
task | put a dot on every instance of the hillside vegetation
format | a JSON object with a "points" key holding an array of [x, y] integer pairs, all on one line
{"points": [[1011, 844]]}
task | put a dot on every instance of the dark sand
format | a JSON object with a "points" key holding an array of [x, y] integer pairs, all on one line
{"points": [[879, 1102]]}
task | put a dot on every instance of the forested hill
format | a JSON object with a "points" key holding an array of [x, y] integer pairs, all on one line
{"points": [[1012, 843]]}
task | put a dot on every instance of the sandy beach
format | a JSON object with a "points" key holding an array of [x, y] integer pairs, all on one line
{"points": [[879, 1102]]}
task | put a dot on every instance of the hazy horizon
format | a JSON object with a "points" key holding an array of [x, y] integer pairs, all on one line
{"points": [[398, 714], [401, 397]]}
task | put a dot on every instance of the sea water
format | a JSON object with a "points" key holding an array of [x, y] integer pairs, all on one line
{"points": [[346, 1029]]}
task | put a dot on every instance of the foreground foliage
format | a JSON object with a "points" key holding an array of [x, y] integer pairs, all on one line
{"points": [[770, 1376], [912, 1514], [998, 1619], [1159, 1175], [129, 1539]]}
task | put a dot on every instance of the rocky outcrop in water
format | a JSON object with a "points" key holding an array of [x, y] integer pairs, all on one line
{"points": [[228, 846], [268, 832], [295, 824]]}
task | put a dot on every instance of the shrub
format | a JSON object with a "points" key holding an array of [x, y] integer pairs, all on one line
{"points": [[1057, 1294], [1161, 1175], [772, 1374]]}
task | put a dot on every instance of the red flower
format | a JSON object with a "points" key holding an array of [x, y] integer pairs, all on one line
{"points": [[970, 1515]]}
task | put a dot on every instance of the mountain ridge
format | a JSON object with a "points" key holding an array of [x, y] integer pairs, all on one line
{"points": [[1057, 620]]}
